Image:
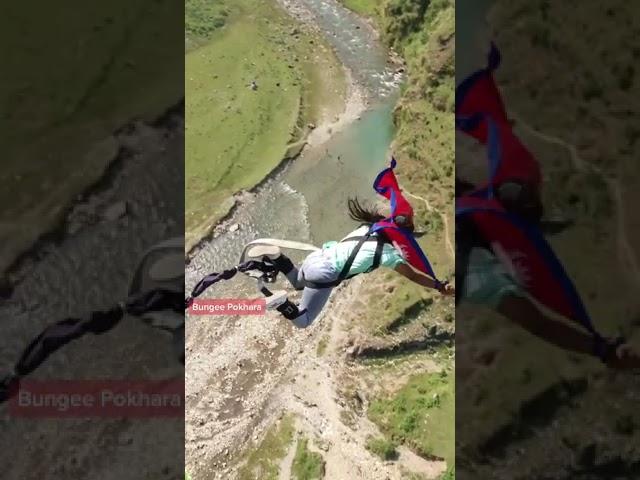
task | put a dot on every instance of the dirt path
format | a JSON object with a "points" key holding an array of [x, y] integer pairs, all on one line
{"points": [[287, 461], [578, 163], [254, 370], [312, 392], [625, 249], [445, 221]]}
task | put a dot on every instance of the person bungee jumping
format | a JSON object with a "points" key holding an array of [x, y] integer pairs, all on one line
{"points": [[379, 241], [503, 260]]}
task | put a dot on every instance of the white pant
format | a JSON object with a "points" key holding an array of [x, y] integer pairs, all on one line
{"points": [[316, 268]]}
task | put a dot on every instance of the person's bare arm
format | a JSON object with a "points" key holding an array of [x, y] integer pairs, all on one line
{"points": [[526, 314], [424, 280]]}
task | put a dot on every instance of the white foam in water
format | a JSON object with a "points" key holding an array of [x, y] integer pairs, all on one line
{"points": [[305, 206], [353, 45], [277, 211]]}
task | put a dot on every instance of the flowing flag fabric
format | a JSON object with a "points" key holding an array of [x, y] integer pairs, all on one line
{"points": [[478, 94], [386, 184], [479, 110], [524, 251], [402, 238], [404, 241], [520, 246]]}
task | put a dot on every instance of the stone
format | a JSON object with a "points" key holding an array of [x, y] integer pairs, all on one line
{"points": [[115, 211], [352, 351]]}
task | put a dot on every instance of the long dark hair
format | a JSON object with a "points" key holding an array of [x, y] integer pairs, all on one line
{"points": [[363, 212], [516, 196]]}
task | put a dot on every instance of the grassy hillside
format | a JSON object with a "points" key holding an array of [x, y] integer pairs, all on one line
{"points": [[203, 18], [368, 8], [307, 464], [421, 415], [422, 32], [235, 133], [262, 460], [424, 116]]}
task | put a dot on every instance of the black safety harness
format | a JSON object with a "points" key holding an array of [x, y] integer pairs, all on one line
{"points": [[370, 236]]}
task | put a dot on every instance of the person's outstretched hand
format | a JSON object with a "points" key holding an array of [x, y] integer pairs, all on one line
{"points": [[448, 290]]}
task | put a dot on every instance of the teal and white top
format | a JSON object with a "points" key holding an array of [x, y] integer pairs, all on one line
{"points": [[338, 253], [488, 281]]}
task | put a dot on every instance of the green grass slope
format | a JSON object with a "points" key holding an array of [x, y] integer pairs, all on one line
{"points": [[262, 461], [367, 8], [202, 19], [423, 32], [307, 464], [421, 413], [236, 135]]}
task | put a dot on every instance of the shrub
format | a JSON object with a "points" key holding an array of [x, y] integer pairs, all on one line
{"points": [[383, 448]]}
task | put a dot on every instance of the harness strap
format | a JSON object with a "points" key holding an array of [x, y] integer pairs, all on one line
{"points": [[344, 273], [352, 257], [378, 255]]}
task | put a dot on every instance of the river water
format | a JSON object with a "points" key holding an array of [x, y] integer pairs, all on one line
{"points": [[307, 200]]}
